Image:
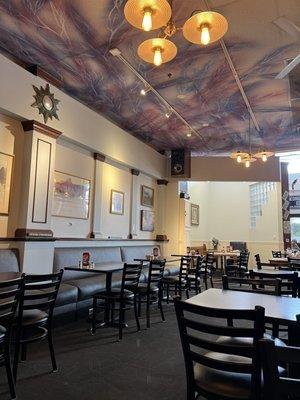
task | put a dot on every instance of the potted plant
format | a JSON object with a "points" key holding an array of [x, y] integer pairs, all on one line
{"points": [[215, 243]]}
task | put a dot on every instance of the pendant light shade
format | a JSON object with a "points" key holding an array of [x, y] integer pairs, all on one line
{"points": [[205, 27], [238, 156], [147, 14], [157, 51], [264, 155]]}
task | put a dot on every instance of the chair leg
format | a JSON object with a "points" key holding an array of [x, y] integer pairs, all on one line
{"points": [[10, 378], [51, 348], [160, 306], [17, 352], [148, 310], [93, 329], [205, 282], [187, 293], [121, 321], [168, 294], [23, 351], [140, 306], [211, 282], [136, 314], [196, 286]]}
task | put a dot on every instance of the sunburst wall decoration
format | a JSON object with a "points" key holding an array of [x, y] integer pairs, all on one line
{"points": [[45, 102]]}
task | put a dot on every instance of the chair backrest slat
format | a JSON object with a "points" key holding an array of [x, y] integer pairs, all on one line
{"points": [[156, 272], [131, 276], [259, 285], [11, 291]]}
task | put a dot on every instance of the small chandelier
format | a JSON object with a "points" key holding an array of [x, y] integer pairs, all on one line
{"points": [[203, 28], [248, 158]]}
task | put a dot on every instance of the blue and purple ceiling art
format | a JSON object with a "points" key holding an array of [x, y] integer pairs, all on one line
{"points": [[71, 40]]}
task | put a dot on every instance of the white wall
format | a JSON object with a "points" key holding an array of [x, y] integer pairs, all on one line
{"points": [[225, 214]]}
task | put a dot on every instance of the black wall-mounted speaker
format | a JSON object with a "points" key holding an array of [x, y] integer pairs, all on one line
{"points": [[181, 163]]}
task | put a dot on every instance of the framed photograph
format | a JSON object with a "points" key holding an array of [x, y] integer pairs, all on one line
{"points": [[147, 220], [6, 168], [117, 202], [194, 214], [147, 196], [71, 196]]}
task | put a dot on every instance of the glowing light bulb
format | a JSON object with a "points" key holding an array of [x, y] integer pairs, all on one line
{"points": [[168, 114], [147, 20], [157, 59], [239, 159], [189, 134], [264, 157], [247, 164], [143, 92], [204, 35]]}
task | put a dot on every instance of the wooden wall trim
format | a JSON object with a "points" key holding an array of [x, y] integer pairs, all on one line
{"points": [[33, 125], [162, 182], [41, 73], [99, 157]]}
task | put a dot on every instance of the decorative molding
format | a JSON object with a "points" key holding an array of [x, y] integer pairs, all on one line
{"points": [[33, 125], [135, 172], [41, 73], [44, 220], [99, 157], [33, 233], [162, 182]]}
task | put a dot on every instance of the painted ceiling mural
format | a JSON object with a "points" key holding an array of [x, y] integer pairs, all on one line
{"points": [[71, 40]]}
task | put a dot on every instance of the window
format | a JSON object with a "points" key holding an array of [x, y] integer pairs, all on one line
{"points": [[295, 228], [258, 196]]}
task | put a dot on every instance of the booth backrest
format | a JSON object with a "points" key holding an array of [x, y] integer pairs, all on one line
{"points": [[9, 260], [238, 246], [129, 253], [71, 256]]}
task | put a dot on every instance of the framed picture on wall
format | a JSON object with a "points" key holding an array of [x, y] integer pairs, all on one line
{"points": [[147, 196], [194, 214], [117, 202], [6, 168], [147, 220], [71, 196]]}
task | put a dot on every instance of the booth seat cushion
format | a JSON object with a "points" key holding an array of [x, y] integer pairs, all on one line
{"points": [[89, 286], [71, 256], [129, 253], [172, 269], [67, 294], [9, 260]]}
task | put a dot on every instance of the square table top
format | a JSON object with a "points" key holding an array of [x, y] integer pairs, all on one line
{"points": [[100, 268], [277, 308]]}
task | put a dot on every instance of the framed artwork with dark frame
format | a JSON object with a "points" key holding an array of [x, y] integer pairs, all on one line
{"points": [[117, 202], [71, 196], [147, 220], [6, 171], [147, 196], [194, 214]]}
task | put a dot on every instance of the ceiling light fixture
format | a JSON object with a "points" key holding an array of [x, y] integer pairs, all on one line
{"points": [[168, 114], [147, 14], [189, 134], [144, 91], [157, 51], [247, 157], [203, 27]]}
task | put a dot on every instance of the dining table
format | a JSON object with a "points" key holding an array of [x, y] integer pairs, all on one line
{"points": [[107, 268], [223, 255], [277, 261], [278, 309]]}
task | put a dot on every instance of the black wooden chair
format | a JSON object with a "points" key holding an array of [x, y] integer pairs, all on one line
{"points": [[289, 282], [178, 283], [276, 254], [207, 269], [35, 315], [239, 268], [10, 292], [125, 297], [256, 285], [276, 386], [260, 264], [220, 371], [151, 292], [194, 275]]}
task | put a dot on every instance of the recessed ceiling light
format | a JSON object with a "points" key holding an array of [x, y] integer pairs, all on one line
{"points": [[181, 96], [189, 134], [205, 125]]}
